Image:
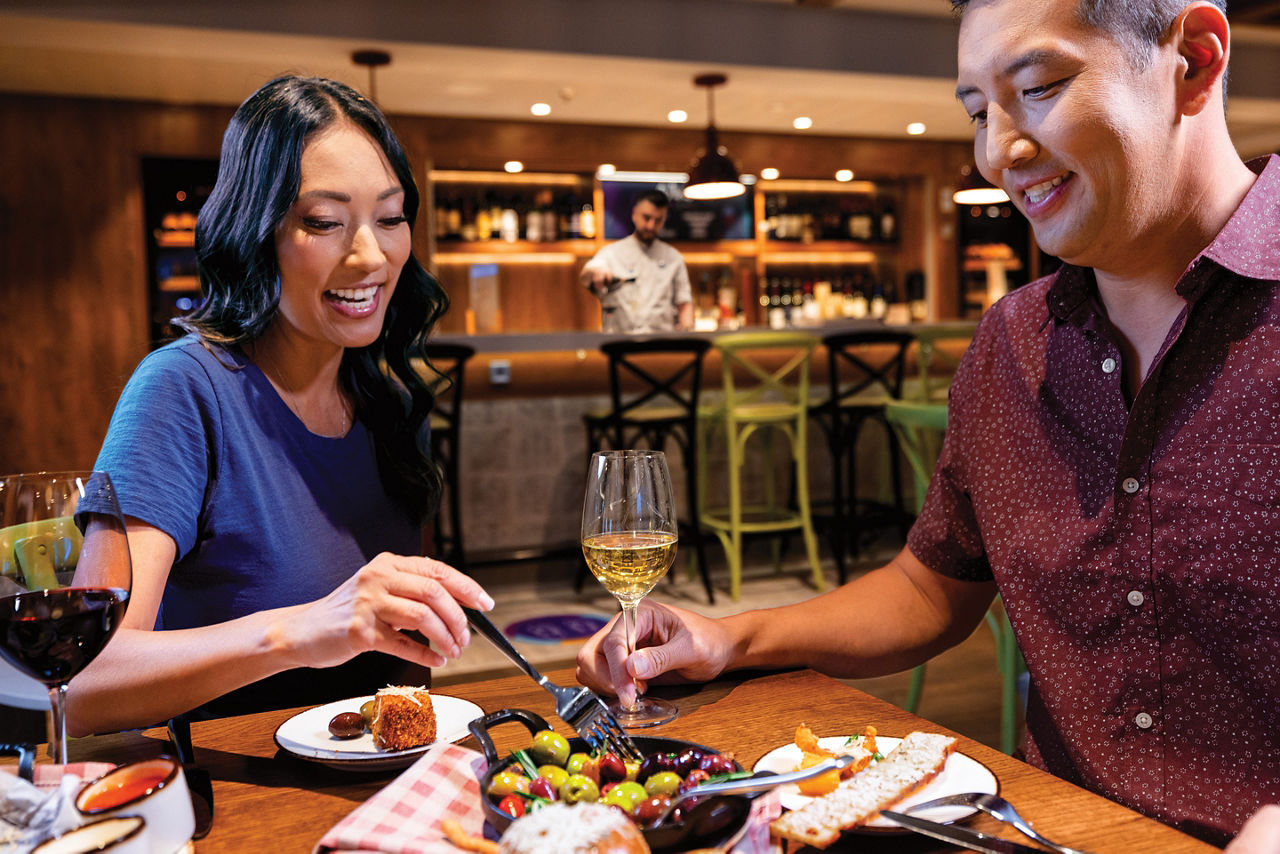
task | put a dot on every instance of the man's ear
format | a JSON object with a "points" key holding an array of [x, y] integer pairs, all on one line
{"points": [[1202, 38]]}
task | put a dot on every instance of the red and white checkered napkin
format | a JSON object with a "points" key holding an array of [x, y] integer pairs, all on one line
{"points": [[30, 813], [405, 817]]}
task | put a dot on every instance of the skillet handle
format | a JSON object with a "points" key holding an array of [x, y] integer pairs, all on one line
{"points": [[480, 728]]}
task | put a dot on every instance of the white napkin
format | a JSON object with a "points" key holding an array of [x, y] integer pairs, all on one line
{"points": [[31, 813]]}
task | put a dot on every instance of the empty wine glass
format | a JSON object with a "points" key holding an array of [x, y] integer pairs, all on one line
{"points": [[629, 541], [65, 577]]}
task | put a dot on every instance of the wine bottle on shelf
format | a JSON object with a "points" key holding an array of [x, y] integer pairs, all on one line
{"points": [[878, 306], [771, 216], [861, 224], [587, 222], [453, 230], [510, 222], [495, 217], [469, 231], [859, 306], [533, 223], [483, 227], [777, 311], [888, 223]]}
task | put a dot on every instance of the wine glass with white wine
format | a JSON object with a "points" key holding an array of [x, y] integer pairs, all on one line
{"points": [[629, 541]]}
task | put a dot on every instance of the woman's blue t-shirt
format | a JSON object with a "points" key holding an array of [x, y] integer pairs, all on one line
{"points": [[264, 513]]}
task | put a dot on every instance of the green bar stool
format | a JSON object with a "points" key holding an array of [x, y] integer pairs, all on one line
{"points": [[760, 400], [929, 355], [920, 427]]}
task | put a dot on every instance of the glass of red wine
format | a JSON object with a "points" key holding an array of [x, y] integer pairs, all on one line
{"points": [[65, 576]]}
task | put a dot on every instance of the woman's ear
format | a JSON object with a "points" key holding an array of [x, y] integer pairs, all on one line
{"points": [[1202, 38]]}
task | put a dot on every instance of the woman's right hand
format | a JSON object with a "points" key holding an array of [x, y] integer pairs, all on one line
{"points": [[672, 644], [372, 610]]}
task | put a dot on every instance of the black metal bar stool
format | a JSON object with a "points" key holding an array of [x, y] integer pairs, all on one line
{"points": [[654, 384], [449, 361], [865, 369]]}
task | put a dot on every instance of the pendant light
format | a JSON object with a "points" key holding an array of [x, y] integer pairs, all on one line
{"points": [[371, 59], [713, 175], [976, 190]]}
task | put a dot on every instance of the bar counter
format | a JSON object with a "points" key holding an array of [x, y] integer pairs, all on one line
{"points": [[266, 800]]}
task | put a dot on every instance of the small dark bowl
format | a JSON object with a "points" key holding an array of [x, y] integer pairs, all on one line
{"points": [[713, 824]]}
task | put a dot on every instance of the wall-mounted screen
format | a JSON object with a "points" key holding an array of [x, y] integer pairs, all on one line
{"points": [[687, 219]]}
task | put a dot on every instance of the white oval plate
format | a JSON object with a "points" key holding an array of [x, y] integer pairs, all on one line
{"points": [[961, 774], [306, 735]]}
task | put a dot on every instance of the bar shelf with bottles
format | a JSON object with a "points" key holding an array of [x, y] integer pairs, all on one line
{"points": [[529, 218], [841, 236]]}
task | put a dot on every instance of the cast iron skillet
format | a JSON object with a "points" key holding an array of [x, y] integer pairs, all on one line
{"points": [[713, 822]]}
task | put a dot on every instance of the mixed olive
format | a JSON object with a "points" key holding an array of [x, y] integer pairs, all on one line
{"points": [[546, 771], [347, 725]]}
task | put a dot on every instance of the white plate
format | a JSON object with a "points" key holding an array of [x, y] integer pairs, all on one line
{"points": [[306, 735], [961, 774]]}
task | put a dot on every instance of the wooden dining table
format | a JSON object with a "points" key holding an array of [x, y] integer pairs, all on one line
{"points": [[268, 800]]}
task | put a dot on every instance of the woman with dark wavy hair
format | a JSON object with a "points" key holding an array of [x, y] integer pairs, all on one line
{"points": [[275, 462]]}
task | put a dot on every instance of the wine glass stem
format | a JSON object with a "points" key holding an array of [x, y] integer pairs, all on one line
{"points": [[58, 740], [629, 627]]}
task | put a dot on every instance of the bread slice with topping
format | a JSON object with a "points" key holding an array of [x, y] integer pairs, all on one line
{"points": [[908, 767]]}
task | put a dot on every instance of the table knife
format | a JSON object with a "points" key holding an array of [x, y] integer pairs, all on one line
{"points": [[965, 837]]}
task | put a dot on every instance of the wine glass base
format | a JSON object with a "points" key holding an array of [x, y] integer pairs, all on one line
{"points": [[647, 712]]}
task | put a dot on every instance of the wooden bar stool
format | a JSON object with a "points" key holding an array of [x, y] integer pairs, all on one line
{"points": [[919, 427], [449, 361], [654, 387], [865, 370], [768, 402]]}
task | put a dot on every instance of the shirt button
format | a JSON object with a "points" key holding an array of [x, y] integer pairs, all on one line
{"points": [[1135, 598], [1130, 485], [1108, 365], [1143, 720]]}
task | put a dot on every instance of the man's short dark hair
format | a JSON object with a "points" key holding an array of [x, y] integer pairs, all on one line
{"points": [[1140, 23], [657, 198]]}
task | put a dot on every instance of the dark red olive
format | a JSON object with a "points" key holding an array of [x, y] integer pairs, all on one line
{"points": [[687, 761], [696, 778], [655, 763], [650, 809], [611, 768], [717, 763], [347, 725]]}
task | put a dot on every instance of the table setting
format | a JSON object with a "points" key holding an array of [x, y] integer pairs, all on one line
{"points": [[751, 763]]}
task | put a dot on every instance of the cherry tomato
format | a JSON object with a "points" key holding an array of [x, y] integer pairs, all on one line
{"points": [[512, 805]]}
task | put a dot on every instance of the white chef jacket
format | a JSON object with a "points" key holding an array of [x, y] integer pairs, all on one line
{"points": [[650, 303]]}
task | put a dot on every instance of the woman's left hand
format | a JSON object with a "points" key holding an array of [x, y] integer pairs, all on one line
{"points": [[372, 610]]}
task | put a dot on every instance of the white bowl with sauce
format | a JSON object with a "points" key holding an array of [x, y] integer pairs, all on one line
{"points": [[155, 789]]}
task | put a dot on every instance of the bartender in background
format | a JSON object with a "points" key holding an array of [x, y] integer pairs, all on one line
{"points": [[641, 281]]}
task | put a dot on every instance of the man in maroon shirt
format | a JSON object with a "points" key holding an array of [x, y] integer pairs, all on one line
{"points": [[1111, 462]]}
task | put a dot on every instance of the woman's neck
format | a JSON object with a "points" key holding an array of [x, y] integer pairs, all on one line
{"points": [[306, 380]]}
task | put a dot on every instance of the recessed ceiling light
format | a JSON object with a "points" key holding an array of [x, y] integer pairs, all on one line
{"points": [[540, 109], [916, 128], [844, 175], [769, 173], [677, 116], [606, 169], [513, 166], [802, 123]]}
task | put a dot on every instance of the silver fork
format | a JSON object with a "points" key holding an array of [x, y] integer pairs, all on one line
{"points": [[580, 708], [999, 809]]}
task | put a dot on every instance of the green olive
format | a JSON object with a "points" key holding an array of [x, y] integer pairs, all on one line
{"points": [[579, 787], [507, 781], [663, 783], [549, 748], [555, 774], [575, 762], [368, 712]]}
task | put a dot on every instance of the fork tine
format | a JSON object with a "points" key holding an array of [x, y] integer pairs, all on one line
{"points": [[618, 738]]}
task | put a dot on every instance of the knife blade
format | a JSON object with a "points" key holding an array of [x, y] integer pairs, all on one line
{"points": [[965, 837]]}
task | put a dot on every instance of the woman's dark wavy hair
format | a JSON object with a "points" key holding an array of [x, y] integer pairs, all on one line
{"points": [[258, 179]]}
